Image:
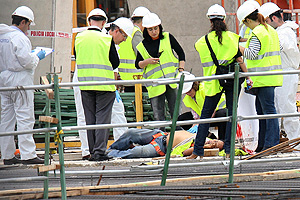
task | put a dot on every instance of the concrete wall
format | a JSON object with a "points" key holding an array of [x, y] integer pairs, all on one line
{"points": [[187, 21], [55, 15]]}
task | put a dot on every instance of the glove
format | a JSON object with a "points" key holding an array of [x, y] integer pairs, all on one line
{"points": [[118, 97], [41, 54], [194, 129]]}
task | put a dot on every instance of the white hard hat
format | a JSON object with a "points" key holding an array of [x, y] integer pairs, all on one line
{"points": [[268, 8], [244, 10], [150, 20], [187, 86], [24, 11], [216, 11], [125, 24], [96, 12], [253, 2], [140, 12]]}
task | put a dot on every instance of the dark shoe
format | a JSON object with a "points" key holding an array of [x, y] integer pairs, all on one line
{"points": [[87, 157], [99, 157], [35, 160], [12, 161]]}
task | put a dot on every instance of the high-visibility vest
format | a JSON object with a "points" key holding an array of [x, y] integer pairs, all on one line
{"points": [[200, 97], [268, 58], [155, 145], [92, 57], [167, 68], [247, 33], [127, 59], [225, 55]]}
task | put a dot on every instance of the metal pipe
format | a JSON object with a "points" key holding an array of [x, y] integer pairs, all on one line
{"points": [[23, 179]]}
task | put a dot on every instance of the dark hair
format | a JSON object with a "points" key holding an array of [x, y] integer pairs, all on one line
{"points": [[219, 26], [18, 19], [137, 19], [97, 18], [255, 16], [195, 85], [287, 16], [276, 14], [148, 37]]}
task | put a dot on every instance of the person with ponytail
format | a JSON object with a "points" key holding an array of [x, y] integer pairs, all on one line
{"points": [[225, 45], [262, 54]]}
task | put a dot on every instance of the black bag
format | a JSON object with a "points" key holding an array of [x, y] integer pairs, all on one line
{"points": [[221, 69]]}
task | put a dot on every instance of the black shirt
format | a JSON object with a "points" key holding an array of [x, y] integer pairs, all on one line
{"points": [[152, 47]]}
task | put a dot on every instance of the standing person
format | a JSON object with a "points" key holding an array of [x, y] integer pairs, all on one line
{"points": [[285, 96], [194, 99], [128, 50], [17, 66], [262, 53], [221, 41], [96, 57], [156, 58]]}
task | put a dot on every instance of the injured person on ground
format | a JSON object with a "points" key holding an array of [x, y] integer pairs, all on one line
{"points": [[147, 143]]}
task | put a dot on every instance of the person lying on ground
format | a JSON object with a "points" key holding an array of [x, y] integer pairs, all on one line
{"points": [[153, 143]]}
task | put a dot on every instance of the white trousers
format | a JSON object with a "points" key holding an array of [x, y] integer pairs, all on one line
{"points": [[118, 117], [17, 107], [285, 102]]}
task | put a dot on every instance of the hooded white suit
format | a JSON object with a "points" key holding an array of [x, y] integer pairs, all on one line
{"points": [[285, 96], [17, 66]]}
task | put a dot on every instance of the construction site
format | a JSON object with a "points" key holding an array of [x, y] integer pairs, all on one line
{"points": [[272, 173]]}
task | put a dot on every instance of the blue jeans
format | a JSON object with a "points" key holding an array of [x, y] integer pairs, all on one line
{"points": [[210, 104], [268, 134], [143, 137]]}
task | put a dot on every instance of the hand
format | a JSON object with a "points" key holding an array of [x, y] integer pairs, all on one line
{"points": [[249, 83], [41, 54], [194, 129], [153, 61], [118, 97]]}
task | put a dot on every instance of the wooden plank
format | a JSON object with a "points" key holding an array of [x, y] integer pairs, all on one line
{"points": [[52, 145], [49, 92], [49, 119], [47, 168]]}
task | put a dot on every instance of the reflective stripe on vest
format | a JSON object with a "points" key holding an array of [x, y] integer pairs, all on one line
{"points": [[225, 54], [268, 58], [167, 68], [92, 57], [127, 56]]}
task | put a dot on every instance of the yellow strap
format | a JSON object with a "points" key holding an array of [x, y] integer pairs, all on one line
{"points": [[56, 136]]}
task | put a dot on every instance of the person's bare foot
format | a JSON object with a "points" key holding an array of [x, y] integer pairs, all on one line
{"points": [[193, 156]]}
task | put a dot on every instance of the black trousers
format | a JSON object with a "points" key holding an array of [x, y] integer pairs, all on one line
{"points": [[97, 107], [221, 125]]}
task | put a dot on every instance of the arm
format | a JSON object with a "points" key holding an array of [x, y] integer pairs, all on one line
{"points": [[188, 151], [179, 51], [140, 63], [113, 55], [136, 39]]}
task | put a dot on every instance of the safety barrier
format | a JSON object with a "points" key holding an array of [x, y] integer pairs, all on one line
{"points": [[59, 129]]}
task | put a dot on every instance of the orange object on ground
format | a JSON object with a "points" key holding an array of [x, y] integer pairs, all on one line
{"points": [[17, 151]]}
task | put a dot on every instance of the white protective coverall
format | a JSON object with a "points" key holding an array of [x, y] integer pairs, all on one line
{"points": [[285, 96], [17, 66], [80, 117]]}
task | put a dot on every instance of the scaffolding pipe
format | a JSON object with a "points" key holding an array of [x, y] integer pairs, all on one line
{"points": [[154, 169], [23, 179]]}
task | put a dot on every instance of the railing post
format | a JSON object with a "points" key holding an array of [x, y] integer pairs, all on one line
{"points": [[234, 121], [59, 140], [47, 144], [173, 128]]}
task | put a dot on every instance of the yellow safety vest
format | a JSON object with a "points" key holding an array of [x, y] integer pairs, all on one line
{"points": [[268, 58], [127, 59], [200, 97], [247, 33], [224, 54], [167, 68], [92, 58]]}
